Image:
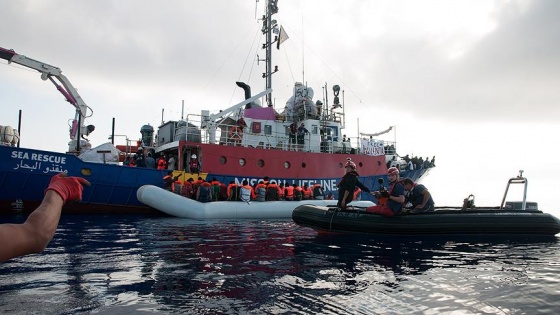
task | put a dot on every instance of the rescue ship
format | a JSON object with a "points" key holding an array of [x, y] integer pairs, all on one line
{"points": [[246, 141]]}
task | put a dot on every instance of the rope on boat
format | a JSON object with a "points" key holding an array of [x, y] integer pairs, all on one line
{"points": [[332, 216]]}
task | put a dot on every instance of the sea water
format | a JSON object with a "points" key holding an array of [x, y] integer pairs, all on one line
{"points": [[112, 264]]}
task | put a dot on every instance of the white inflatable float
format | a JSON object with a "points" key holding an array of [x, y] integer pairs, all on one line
{"points": [[179, 206]]}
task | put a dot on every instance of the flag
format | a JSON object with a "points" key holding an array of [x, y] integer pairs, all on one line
{"points": [[376, 134], [282, 37]]}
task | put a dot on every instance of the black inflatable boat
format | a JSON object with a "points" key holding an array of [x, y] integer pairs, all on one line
{"points": [[465, 220]]}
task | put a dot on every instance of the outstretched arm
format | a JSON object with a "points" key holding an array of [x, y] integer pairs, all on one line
{"points": [[36, 232]]}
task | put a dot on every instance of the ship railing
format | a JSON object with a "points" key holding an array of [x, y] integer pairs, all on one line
{"points": [[276, 140]]}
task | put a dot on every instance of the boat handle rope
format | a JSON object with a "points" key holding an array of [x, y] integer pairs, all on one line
{"points": [[332, 216]]}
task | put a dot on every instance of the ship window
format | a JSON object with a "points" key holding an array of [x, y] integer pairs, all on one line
{"points": [[260, 163], [303, 165], [287, 165], [223, 160], [242, 162], [267, 129], [340, 165], [314, 129], [360, 164]]}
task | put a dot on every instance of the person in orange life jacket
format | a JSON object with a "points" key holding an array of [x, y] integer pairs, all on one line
{"points": [[246, 192], [281, 191], [161, 163], [231, 191], [298, 193], [169, 181], [273, 192], [260, 191], [418, 196], [194, 165], [395, 196], [187, 189], [197, 184], [33, 235], [347, 185], [177, 187], [223, 192], [215, 189], [289, 192], [318, 192], [357, 194], [204, 192], [307, 193]]}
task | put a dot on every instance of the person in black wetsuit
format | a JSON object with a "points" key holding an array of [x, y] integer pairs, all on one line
{"points": [[347, 185]]}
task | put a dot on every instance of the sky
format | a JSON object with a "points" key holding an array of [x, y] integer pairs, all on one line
{"points": [[474, 83]]}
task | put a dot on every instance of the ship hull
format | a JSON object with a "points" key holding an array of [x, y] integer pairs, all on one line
{"points": [[25, 173]]}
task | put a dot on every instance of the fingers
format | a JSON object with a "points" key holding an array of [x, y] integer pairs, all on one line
{"points": [[83, 181]]}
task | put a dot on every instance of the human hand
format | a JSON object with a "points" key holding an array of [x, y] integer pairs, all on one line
{"points": [[69, 188]]}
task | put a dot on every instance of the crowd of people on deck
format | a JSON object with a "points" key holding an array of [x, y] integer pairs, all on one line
{"points": [[147, 160], [265, 190], [163, 162], [418, 163]]}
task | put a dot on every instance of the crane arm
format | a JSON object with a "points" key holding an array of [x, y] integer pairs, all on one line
{"points": [[54, 74]]}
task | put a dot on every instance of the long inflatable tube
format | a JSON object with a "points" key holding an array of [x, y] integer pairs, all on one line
{"points": [[179, 206]]}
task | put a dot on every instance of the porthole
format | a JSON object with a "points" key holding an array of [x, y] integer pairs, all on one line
{"points": [[360, 164], [287, 165], [260, 163], [303, 165], [223, 160], [242, 162], [339, 165]]}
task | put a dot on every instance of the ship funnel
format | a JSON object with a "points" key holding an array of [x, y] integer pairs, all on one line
{"points": [[247, 90]]}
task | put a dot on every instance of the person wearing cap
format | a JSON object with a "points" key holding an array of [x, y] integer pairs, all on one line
{"points": [[418, 196], [347, 185], [194, 165], [391, 202]]}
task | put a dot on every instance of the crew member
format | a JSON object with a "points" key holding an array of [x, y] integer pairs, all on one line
{"points": [[347, 185], [391, 202], [418, 196]]}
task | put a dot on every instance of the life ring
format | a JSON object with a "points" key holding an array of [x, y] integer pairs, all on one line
{"points": [[235, 133]]}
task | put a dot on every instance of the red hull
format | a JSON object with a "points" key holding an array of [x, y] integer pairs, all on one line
{"points": [[221, 159]]}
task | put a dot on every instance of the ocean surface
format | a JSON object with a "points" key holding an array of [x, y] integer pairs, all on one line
{"points": [[113, 264]]}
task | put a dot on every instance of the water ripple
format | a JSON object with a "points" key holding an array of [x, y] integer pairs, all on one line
{"points": [[135, 264]]}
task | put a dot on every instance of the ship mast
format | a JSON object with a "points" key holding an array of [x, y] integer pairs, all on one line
{"points": [[269, 26]]}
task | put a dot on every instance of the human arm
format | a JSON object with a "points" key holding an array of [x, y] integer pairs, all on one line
{"points": [[425, 197], [36, 232], [362, 186]]}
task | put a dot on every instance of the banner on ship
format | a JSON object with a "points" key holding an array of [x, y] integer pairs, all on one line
{"points": [[372, 147]]}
